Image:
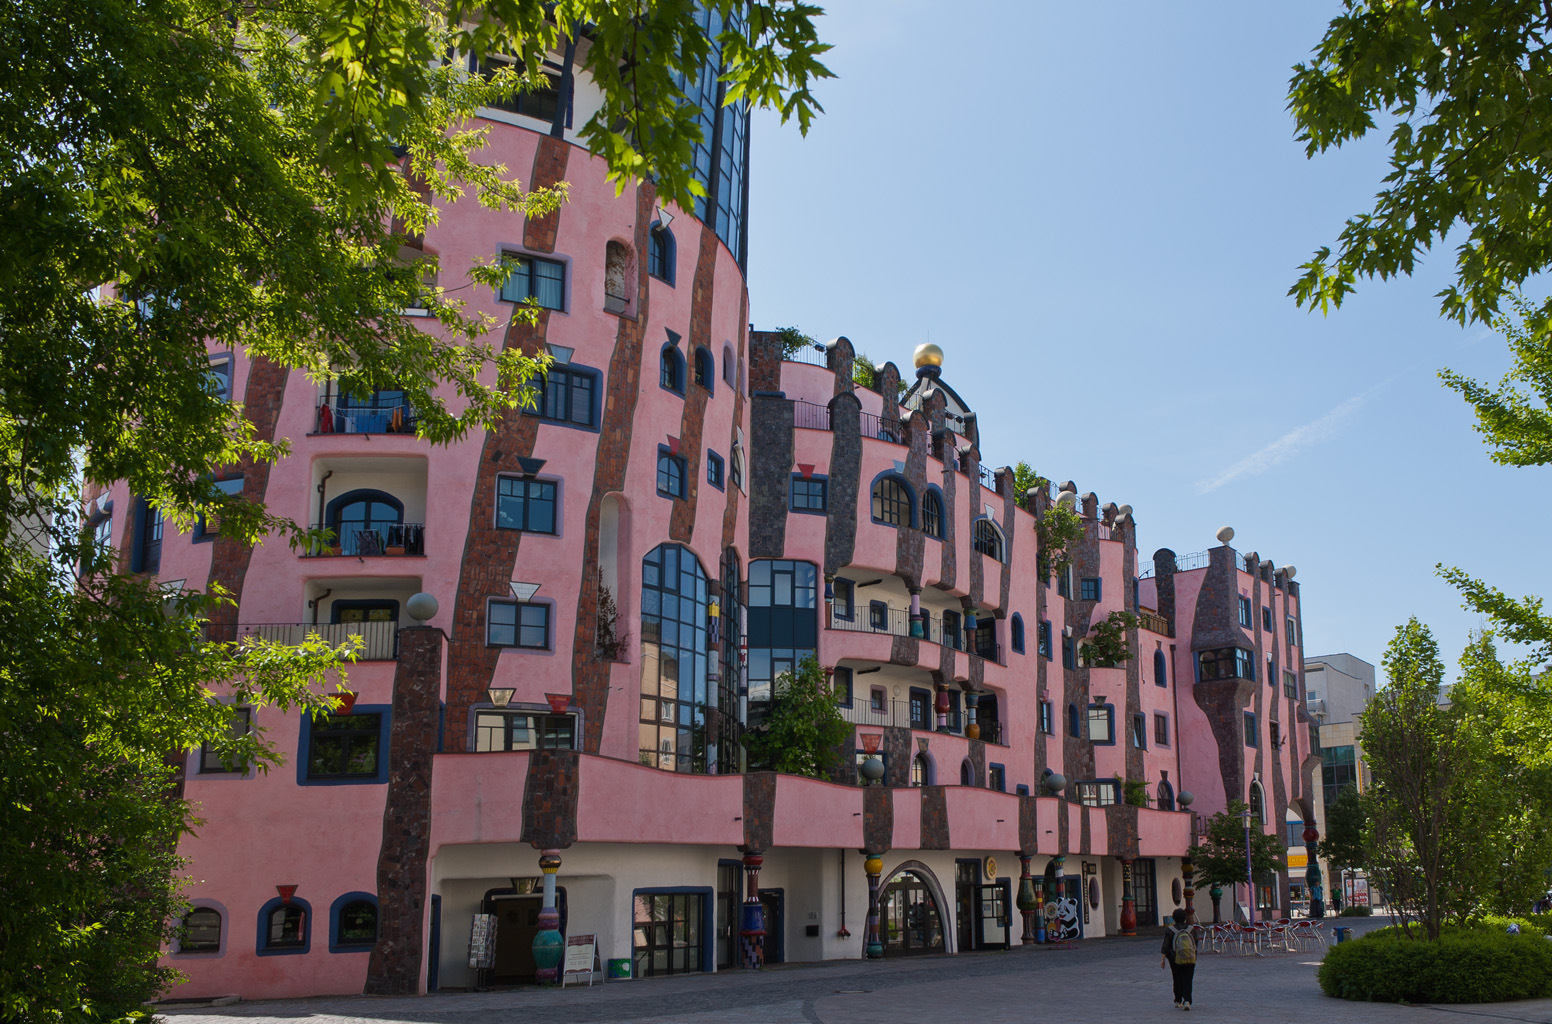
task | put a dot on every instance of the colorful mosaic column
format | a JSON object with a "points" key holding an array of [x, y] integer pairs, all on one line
{"points": [[1039, 908], [1312, 876], [872, 946], [1188, 887], [751, 932], [972, 727], [918, 624], [548, 946], [941, 705], [1027, 903], [1058, 893], [1128, 899]]}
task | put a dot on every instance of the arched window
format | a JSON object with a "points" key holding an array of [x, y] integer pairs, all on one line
{"points": [[705, 368], [1072, 720], [1257, 802], [966, 773], [729, 366], [674, 661], [660, 253], [893, 503], [286, 926], [988, 539], [1160, 669], [932, 514], [672, 375], [357, 925], [1166, 795], [921, 770], [616, 277], [363, 519], [1016, 633], [201, 931]]}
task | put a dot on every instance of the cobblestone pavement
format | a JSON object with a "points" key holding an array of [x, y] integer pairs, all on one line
{"points": [[1099, 981]]}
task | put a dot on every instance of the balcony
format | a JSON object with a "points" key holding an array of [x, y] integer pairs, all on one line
{"points": [[1154, 623], [388, 540], [386, 413], [897, 622], [813, 416], [380, 639]]}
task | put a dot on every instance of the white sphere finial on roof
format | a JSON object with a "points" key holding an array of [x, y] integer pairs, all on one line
{"points": [[1225, 534]]}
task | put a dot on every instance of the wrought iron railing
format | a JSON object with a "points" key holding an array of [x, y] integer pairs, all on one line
{"points": [[810, 355], [391, 540], [991, 731], [988, 476], [380, 639], [884, 430], [810, 415], [343, 417]]}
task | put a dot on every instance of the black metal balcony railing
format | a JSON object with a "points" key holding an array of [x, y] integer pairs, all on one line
{"points": [[380, 639], [810, 355], [988, 476], [394, 539], [897, 622], [343, 417], [810, 416], [991, 731], [899, 714], [884, 430]]}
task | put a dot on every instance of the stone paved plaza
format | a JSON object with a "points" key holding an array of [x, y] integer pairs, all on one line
{"points": [[1100, 981]]}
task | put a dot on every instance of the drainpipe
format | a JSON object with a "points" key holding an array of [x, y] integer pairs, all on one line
{"points": [[321, 484], [315, 602]]}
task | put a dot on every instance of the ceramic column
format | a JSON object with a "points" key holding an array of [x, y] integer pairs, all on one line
{"points": [[1188, 887], [918, 622], [972, 727], [941, 705], [873, 947], [1312, 876], [751, 932], [1128, 899], [1057, 894], [1028, 903], [548, 946]]}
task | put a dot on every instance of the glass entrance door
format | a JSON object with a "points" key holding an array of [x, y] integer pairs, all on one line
{"points": [[909, 918], [1145, 893]]}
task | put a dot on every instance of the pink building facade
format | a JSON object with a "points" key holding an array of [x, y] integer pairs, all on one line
{"points": [[739, 506]]}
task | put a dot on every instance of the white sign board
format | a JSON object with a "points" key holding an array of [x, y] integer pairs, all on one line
{"points": [[581, 957]]}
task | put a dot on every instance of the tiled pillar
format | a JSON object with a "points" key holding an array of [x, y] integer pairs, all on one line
{"points": [[972, 727], [918, 625], [1128, 899], [1312, 876], [751, 932], [941, 706], [548, 946], [1188, 886], [873, 865], [1028, 903]]}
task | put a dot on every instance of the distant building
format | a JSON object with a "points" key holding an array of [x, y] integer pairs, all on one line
{"points": [[1337, 689]]}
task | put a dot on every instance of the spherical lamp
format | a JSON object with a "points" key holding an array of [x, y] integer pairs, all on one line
{"points": [[421, 607], [872, 769]]}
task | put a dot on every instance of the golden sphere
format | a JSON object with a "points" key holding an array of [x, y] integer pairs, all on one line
{"points": [[928, 355], [873, 865]]}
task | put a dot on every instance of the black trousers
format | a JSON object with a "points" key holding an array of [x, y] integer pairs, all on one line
{"points": [[1182, 973]]}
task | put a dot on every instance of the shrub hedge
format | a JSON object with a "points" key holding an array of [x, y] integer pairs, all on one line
{"points": [[1356, 912], [1471, 964]]}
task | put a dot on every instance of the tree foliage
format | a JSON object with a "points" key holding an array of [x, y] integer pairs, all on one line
{"points": [[1056, 531], [803, 731], [1107, 645], [180, 174], [1219, 858], [1343, 843]]}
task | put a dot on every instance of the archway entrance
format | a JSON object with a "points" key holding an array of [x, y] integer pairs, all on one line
{"points": [[909, 917]]}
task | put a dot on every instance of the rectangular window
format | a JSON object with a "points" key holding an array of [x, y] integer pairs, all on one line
{"points": [[1097, 792], [878, 615], [670, 474], [986, 639], [1244, 613], [344, 746], [921, 709], [997, 778], [1293, 632], [1251, 737], [1069, 653], [569, 395], [1089, 588], [530, 277], [514, 624], [738, 468], [714, 470], [878, 700], [809, 495], [1226, 663], [1101, 723], [1044, 639], [523, 504], [1140, 732], [210, 522], [151, 525], [845, 600], [523, 730], [541, 101], [1161, 729], [952, 636], [841, 683], [1064, 583], [218, 378], [1338, 770], [210, 761], [1290, 685], [1266, 618], [1274, 734], [1047, 723]]}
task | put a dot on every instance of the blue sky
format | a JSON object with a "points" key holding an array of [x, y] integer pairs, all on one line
{"points": [[1097, 211]]}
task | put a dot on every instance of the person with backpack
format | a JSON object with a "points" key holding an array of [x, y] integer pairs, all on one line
{"points": [[1179, 955]]}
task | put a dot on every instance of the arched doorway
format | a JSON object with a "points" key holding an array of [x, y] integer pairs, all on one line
{"points": [[909, 918]]}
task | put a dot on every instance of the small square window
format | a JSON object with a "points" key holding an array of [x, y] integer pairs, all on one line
{"points": [[567, 394], [1245, 613], [845, 600], [531, 277], [714, 470], [1161, 729], [210, 761], [514, 624], [670, 474], [1089, 588], [524, 504], [810, 495], [344, 746]]}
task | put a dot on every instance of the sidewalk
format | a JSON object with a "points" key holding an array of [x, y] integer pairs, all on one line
{"points": [[1098, 982]]}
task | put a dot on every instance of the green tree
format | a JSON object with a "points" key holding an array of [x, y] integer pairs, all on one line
{"points": [[1056, 531], [1107, 644], [1220, 858], [803, 731], [793, 340], [181, 173], [1343, 843]]}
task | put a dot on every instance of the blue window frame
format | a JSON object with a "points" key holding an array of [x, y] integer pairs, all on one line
{"points": [[714, 470], [953, 635], [285, 927], [1252, 737], [362, 520], [518, 624], [921, 708], [1021, 789], [675, 685], [353, 921], [146, 555], [569, 394], [1090, 588], [1160, 729], [1246, 618], [218, 378], [209, 526], [671, 370], [810, 495], [986, 538], [1266, 618], [533, 277], [997, 777], [893, 502], [1043, 640], [1101, 723], [1225, 663], [670, 474], [1140, 731], [343, 750], [932, 514], [661, 254], [1047, 719], [844, 603], [1016, 633], [705, 368], [1069, 653], [525, 504], [878, 615], [1160, 669]]}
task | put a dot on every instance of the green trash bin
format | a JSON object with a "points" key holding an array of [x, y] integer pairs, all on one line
{"points": [[620, 969], [1343, 934]]}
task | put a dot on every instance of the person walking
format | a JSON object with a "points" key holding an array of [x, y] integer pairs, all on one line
{"points": [[1179, 955]]}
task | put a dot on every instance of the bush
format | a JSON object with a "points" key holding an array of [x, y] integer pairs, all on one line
{"points": [[1472, 964], [1356, 912]]}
